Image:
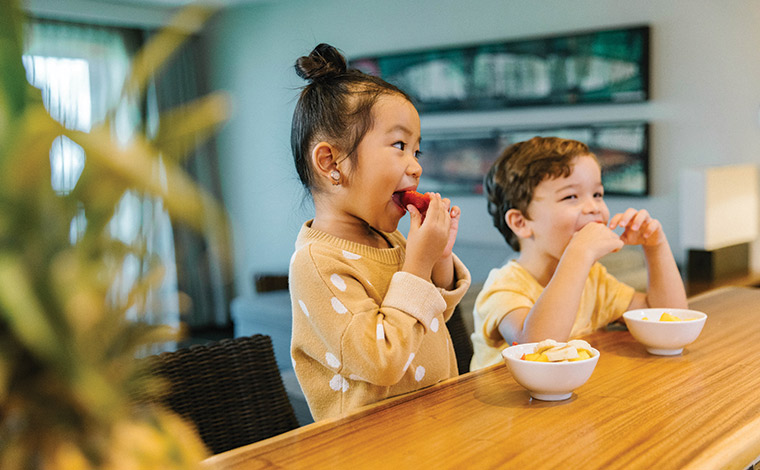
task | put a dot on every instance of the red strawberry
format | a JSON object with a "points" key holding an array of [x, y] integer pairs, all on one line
{"points": [[420, 201]]}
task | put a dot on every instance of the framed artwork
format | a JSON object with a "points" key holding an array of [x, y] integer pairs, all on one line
{"points": [[606, 66], [455, 162]]}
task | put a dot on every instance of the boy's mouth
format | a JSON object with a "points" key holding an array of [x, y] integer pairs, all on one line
{"points": [[592, 222]]}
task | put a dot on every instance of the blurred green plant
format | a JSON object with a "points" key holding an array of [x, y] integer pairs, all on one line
{"points": [[68, 373]]}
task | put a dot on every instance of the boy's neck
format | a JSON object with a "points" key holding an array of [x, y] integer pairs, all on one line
{"points": [[540, 267]]}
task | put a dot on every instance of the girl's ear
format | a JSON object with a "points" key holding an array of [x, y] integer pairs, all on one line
{"points": [[518, 223], [323, 158]]}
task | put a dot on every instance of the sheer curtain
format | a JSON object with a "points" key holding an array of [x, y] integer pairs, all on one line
{"points": [[80, 70], [203, 274]]}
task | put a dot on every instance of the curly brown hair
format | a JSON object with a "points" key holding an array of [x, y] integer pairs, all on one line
{"points": [[511, 180]]}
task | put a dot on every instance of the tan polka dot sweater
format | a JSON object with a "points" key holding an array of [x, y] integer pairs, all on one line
{"points": [[363, 330]]}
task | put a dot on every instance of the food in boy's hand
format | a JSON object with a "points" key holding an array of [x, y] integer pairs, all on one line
{"points": [[418, 200], [552, 351]]}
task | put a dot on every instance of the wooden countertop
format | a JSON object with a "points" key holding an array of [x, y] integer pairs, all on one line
{"points": [[699, 410]]}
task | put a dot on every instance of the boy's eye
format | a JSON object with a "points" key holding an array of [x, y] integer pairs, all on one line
{"points": [[599, 194], [569, 197]]}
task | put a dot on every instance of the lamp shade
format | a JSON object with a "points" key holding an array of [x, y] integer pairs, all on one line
{"points": [[719, 206]]}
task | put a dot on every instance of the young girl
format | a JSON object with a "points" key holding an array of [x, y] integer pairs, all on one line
{"points": [[369, 307]]}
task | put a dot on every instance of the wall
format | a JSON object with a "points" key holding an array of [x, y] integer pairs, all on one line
{"points": [[704, 108]]}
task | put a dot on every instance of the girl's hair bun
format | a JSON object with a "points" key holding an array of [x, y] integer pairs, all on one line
{"points": [[325, 61]]}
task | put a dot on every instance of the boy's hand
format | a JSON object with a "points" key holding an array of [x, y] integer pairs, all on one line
{"points": [[640, 228], [596, 240]]}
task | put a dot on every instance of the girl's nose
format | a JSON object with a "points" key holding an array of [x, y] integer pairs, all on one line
{"points": [[414, 169]]}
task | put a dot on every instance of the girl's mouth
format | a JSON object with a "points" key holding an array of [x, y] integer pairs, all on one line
{"points": [[396, 198]]}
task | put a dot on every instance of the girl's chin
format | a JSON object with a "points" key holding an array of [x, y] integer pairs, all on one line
{"points": [[388, 226]]}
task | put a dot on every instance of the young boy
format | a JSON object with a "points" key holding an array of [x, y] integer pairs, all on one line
{"points": [[546, 198]]}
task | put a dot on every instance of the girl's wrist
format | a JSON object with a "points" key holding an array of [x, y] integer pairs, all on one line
{"points": [[421, 270], [443, 273]]}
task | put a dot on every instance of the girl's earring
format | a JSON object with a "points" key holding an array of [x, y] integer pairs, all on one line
{"points": [[335, 175]]}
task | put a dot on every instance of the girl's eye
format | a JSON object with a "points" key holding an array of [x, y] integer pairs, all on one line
{"points": [[417, 154], [400, 145]]}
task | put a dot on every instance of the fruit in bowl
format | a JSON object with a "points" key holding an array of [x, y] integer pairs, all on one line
{"points": [[546, 379], [664, 331]]}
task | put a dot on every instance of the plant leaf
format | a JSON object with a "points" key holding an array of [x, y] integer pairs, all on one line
{"points": [[160, 47], [12, 74], [136, 166], [182, 128], [23, 312]]}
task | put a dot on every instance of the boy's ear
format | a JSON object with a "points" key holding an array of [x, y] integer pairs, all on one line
{"points": [[518, 223]]}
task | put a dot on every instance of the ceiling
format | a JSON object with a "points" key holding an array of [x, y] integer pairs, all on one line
{"points": [[137, 13], [172, 3]]}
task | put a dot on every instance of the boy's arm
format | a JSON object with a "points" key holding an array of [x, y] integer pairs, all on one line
{"points": [[555, 310], [665, 287]]}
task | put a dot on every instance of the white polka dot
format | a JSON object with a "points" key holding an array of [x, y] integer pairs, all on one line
{"points": [[380, 332], [349, 255], [338, 306], [293, 258], [419, 373], [303, 308], [434, 325], [338, 383], [338, 282], [408, 361], [332, 361], [369, 283]]}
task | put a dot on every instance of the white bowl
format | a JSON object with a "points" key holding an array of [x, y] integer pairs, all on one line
{"points": [[664, 338], [549, 381]]}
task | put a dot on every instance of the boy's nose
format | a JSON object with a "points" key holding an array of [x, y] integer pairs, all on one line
{"points": [[592, 206]]}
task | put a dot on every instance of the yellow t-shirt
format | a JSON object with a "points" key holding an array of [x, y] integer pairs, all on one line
{"points": [[510, 287]]}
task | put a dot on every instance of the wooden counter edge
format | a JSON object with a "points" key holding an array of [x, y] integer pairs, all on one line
{"points": [[232, 457], [737, 450]]}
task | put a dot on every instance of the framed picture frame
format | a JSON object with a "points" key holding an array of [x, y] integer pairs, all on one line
{"points": [[604, 66], [454, 163]]}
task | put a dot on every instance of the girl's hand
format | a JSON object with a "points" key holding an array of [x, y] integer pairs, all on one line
{"points": [[428, 239], [640, 228], [454, 213]]}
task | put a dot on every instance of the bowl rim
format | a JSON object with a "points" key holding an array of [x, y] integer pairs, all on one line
{"points": [[629, 315], [594, 357]]}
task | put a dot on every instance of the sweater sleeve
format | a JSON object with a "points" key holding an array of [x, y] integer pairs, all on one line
{"points": [[339, 322], [462, 280]]}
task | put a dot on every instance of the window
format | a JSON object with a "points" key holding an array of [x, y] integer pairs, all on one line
{"points": [[80, 71]]}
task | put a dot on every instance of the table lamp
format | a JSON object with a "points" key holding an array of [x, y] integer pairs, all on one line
{"points": [[719, 219]]}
